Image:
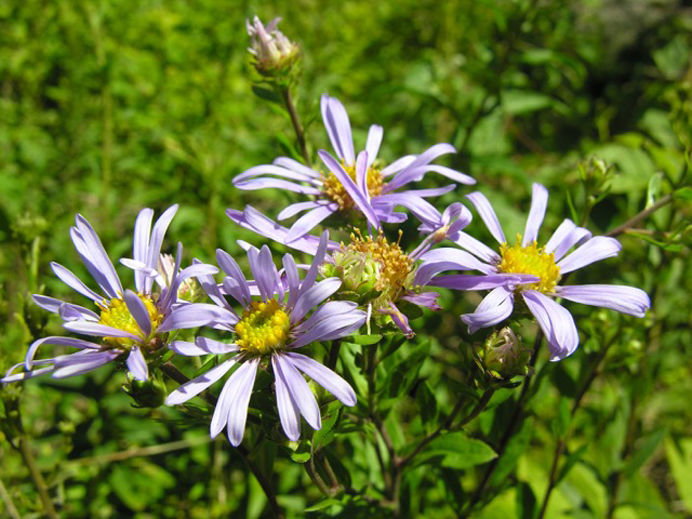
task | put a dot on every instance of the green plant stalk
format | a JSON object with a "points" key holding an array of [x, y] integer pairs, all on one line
{"points": [[40, 483], [287, 98]]}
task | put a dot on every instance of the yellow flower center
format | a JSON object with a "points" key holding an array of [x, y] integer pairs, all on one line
{"points": [[114, 313], [395, 266], [263, 328], [335, 190], [533, 260]]}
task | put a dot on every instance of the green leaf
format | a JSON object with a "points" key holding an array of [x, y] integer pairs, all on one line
{"points": [[457, 451], [647, 446], [517, 102], [680, 460], [365, 340], [321, 505], [526, 501], [684, 193]]}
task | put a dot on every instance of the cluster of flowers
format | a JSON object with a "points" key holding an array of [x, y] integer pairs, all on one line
{"points": [[365, 280]]}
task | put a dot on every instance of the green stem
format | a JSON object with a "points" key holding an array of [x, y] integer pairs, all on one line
{"points": [[37, 477], [641, 216], [9, 504], [295, 121]]}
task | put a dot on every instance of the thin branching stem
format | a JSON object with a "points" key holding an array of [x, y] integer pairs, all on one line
{"points": [[295, 121]]}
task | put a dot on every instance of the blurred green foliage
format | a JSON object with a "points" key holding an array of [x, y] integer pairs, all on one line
{"points": [[109, 107]]}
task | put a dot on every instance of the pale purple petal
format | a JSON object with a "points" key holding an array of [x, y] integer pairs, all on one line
{"points": [[138, 311], [288, 412], [309, 221], [372, 145], [10, 376], [298, 388], [399, 319], [358, 197], [338, 128], [596, 249], [78, 364], [628, 300], [422, 209], [58, 341], [313, 296], [292, 279], [317, 261], [575, 236], [398, 165], [268, 182], [140, 246], [414, 170], [294, 209], [539, 201], [494, 308], [195, 386], [57, 306], [555, 321], [466, 282], [242, 382], [137, 365], [268, 169], [296, 166], [334, 320], [196, 315], [98, 330], [72, 281], [325, 377], [264, 271], [487, 214], [241, 291], [477, 248], [94, 256], [450, 173], [426, 299], [202, 346]]}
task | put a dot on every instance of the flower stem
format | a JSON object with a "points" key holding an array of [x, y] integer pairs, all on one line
{"points": [[9, 504], [37, 477], [641, 216], [297, 127]]}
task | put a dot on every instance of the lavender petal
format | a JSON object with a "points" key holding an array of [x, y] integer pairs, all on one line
{"points": [[628, 300], [195, 386], [539, 201], [325, 377], [555, 321]]}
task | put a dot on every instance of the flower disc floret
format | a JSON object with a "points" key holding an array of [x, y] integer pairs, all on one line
{"points": [[114, 313], [263, 328], [394, 276], [533, 260], [335, 190]]}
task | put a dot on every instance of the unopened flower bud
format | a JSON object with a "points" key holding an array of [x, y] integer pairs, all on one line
{"points": [[147, 393], [504, 355], [358, 271], [189, 290], [273, 53]]}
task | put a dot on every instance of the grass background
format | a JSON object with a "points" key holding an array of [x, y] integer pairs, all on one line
{"points": [[109, 107]]}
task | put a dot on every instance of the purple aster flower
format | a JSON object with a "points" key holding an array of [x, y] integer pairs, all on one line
{"points": [[126, 324], [375, 271], [536, 271], [352, 181], [290, 313]]}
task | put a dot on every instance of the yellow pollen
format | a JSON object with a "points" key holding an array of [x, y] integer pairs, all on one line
{"points": [[263, 328], [396, 266], [114, 313], [334, 189], [533, 260]]}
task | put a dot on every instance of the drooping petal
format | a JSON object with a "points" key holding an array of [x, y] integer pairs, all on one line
{"points": [[399, 319], [58, 341], [195, 386], [487, 214], [137, 365], [494, 308], [243, 381], [539, 201], [555, 321], [288, 412], [78, 364], [596, 249], [628, 300], [325, 377], [298, 388], [426, 299]]}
